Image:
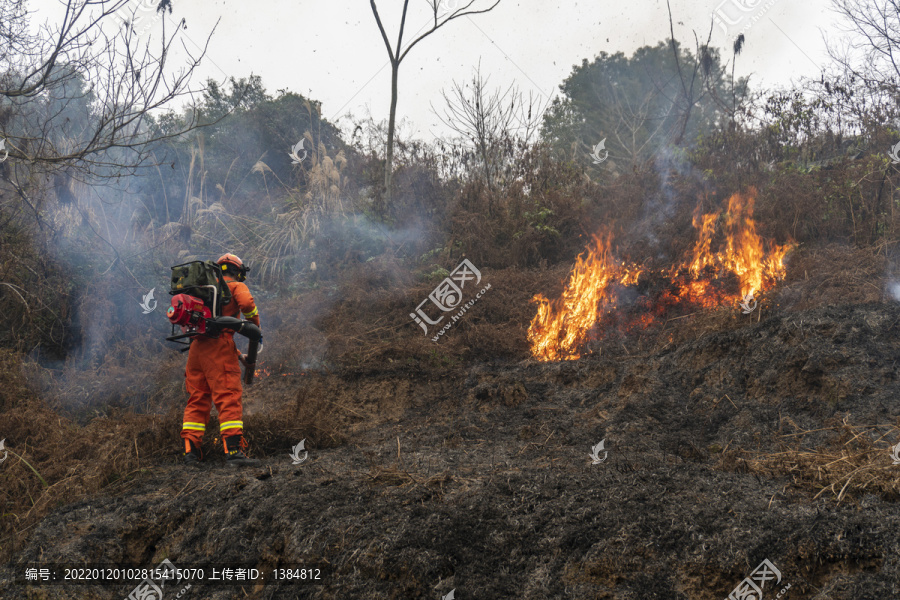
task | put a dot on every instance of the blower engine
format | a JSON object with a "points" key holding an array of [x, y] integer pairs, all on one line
{"points": [[189, 313]]}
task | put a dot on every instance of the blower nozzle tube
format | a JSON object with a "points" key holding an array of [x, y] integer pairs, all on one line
{"points": [[252, 333], [250, 367]]}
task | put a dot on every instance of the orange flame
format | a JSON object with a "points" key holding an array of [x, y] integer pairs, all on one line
{"points": [[560, 328], [744, 253], [264, 371]]}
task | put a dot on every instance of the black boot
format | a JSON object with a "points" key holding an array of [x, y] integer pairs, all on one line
{"points": [[192, 454], [234, 454]]}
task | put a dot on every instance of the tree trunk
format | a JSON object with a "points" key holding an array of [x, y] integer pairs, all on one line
{"points": [[487, 175], [392, 121]]}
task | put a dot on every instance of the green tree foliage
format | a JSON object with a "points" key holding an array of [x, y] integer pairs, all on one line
{"points": [[640, 104], [242, 125]]}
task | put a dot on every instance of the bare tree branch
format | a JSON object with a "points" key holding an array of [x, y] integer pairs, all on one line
{"points": [[494, 122], [396, 54], [127, 81]]}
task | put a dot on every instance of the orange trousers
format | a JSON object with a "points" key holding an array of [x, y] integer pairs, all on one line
{"points": [[213, 374]]}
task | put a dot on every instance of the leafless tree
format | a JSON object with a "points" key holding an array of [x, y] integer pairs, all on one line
{"points": [[398, 52], [693, 79], [76, 96], [632, 124], [871, 48], [864, 81], [493, 122]]}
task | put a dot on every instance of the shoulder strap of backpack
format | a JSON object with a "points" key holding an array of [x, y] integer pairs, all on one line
{"points": [[224, 290]]}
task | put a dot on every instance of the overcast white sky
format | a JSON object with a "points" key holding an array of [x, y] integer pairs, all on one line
{"points": [[332, 51]]}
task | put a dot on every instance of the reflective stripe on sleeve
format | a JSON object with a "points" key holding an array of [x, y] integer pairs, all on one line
{"points": [[252, 313]]}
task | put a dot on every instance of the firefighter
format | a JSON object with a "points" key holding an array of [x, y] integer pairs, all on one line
{"points": [[213, 374]]}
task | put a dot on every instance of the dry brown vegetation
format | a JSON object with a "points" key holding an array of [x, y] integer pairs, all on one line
{"points": [[853, 461], [91, 397], [84, 428]]}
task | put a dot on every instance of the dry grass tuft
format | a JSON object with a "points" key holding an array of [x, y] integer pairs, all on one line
{"points": [[833, 274], [857, 460], [317, 417]]}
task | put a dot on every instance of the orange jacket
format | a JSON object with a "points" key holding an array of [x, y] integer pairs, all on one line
{"points": [[241, 302]]}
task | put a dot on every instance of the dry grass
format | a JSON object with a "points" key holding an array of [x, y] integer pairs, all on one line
{"points": [[57, 459], [365, 323], [68, 462], [370, 325], [315, 415], [833, 274], [856, 461]]}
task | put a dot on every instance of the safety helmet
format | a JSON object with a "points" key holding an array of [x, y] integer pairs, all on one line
{"points": [[236, 262]]}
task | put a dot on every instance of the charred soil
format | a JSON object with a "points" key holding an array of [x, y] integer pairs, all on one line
{"points": [[771, 440]]}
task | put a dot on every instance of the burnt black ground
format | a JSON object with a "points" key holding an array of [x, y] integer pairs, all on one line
{"points": [[480, 480]]}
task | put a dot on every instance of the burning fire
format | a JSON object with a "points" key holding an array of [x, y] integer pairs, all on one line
{"points": [[561, 327], [264, 371]]}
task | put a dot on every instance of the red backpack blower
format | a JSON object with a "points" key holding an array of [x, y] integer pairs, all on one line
{"points": [[199, 292]]}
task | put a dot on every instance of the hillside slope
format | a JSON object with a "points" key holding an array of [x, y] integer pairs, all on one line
{"points": [[480, 481]]}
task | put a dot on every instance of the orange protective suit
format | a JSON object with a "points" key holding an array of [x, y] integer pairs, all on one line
{"points": [[213, 373]]}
